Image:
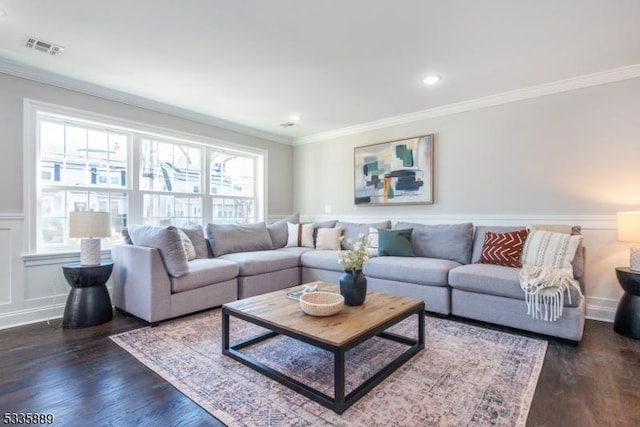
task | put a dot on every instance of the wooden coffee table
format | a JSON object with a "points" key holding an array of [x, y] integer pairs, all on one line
{"points": [[337, 334]]}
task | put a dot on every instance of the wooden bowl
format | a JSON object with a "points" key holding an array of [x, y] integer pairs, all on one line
{"points": [[321, 303]]}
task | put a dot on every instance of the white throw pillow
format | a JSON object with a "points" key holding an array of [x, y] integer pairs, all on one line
{"points": [[329, 238], [188, 245], [372, 242], [300, 235], [550, 249]]}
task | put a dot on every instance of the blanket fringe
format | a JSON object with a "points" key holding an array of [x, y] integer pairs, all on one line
{"points": [[544, 290]]}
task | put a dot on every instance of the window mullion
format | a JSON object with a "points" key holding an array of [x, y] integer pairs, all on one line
{"points": [[136, 215]]}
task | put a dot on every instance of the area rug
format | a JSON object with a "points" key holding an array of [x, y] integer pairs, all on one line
{"points": [[465, 376]]}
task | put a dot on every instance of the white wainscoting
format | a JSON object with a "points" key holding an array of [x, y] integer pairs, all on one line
{"points": [[32, 287]]}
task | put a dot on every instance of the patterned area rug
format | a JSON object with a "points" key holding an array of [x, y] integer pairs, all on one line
{"points": [[466, 375]]}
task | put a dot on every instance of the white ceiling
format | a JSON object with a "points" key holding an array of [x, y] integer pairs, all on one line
{"points": [[339, 63]]}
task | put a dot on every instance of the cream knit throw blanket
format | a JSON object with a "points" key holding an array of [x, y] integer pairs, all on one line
{"points": [[547, 273], [544, 290]]}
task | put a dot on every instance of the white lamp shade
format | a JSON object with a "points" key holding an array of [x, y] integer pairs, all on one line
{"points": [[629, 227], [89, 224]]}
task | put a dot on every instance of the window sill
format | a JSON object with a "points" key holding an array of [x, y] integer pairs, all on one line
{"points": [[52, 258]]}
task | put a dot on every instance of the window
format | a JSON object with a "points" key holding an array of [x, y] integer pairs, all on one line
{"points": [[138, 173], [232, 187], [81, 168]]}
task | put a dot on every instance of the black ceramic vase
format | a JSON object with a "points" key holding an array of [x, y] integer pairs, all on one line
{"points": [[353, 287]]}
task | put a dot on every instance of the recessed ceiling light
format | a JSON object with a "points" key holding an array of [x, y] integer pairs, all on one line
{"points": [[431, 80], [295, 117]]}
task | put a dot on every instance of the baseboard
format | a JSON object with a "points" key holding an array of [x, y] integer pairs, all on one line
{"points": [[25, 317], [602, 309]]}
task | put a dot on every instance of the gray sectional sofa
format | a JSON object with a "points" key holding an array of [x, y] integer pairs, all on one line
{"points": [[444, 273]]}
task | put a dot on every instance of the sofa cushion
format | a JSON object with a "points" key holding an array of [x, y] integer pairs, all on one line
{"points": [[259, 262], [323, 260], [231, 238], [278, 230], [424, 271], [204, 272], [351, 231], [445, 241], [328, 239], [196, 235], [496, 280], [394, 242], [168, 241], [503, 248]]}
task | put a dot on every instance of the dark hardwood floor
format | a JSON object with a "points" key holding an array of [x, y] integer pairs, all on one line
{"points": [[83, 378]]}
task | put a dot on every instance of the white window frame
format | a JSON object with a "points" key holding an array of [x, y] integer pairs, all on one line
{"points": [[32, 111]]}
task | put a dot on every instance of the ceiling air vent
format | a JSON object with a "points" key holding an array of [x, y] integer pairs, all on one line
{"points": [[42, 46], [287, 125]]}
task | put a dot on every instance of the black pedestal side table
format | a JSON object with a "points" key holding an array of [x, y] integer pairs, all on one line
{"points": [[88, 303], [627, 321]]}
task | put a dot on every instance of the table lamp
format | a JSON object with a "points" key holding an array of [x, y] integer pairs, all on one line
{"points": [[90, 226], [629, 231]]}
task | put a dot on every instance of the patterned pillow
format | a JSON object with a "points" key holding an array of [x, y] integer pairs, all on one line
{"points": [[503, 248], [550, 249], [300, 235]]}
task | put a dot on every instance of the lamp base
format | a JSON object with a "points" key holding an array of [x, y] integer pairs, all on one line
{"points": [[634, 261], [90, 252]]}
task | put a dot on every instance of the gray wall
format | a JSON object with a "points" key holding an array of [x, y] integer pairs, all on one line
{"points": [[572, 157], [570, 153]]}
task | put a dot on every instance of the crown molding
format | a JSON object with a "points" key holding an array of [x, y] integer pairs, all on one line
{"points": [[580, 82], [42, 76]]}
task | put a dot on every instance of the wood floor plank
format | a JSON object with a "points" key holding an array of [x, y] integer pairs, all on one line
{"points": [[83, 378]]}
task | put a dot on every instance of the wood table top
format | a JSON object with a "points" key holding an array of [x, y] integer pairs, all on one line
{"points": [[351, 322]]}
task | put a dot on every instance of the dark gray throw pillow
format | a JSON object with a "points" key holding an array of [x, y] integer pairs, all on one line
{"points": [[452, 242], [231, 238], [168, 241], [195, 233]]}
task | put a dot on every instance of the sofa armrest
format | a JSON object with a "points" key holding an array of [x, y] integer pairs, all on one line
{"points": [[141, 284]]}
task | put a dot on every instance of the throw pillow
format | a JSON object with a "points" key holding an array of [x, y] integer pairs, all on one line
{"points": [[351, 231], [231, 238], [395, 242], [503, 248], [300, 235], [328, 239], [188, 246], [372, 242], [443, 241], [550, 249], [278, 230], [167, 240], [196, 235]]}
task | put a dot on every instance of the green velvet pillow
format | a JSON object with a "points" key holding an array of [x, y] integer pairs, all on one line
{"points": [[394, 242]]}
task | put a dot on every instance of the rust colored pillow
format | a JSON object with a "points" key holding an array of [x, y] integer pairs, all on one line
{"points": [[503, 248]]}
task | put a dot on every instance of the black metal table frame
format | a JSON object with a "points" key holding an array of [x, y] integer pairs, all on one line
{"points": [[339, 403]]}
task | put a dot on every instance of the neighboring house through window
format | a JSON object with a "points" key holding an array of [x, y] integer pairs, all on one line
{"points": [[141, 174]]}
